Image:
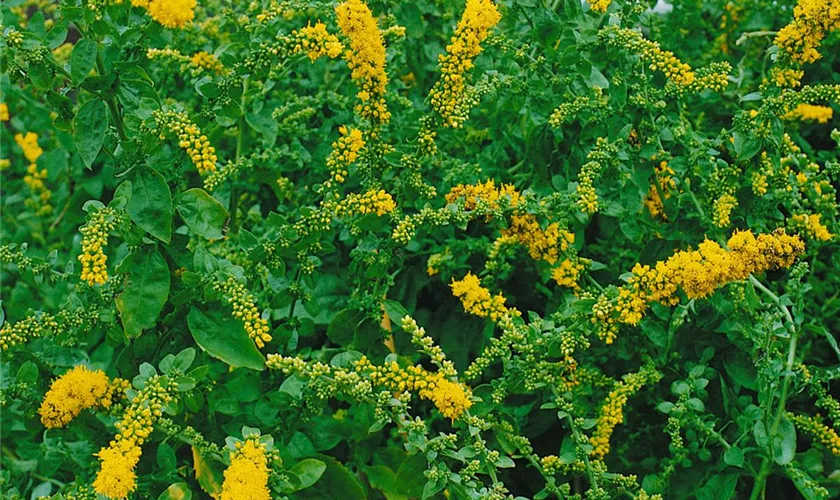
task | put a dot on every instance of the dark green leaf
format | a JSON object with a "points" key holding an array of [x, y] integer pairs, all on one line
{"points": [[224, 338]]}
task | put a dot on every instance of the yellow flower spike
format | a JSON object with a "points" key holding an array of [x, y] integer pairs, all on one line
{"points": [[344, 152], [316, 41], [449, 97], [170, 13], [76, 391], [812, 21], [4, 112], [477, 300], [116, 478], [809, 112], [190, 139], [245, 309], [247, 476], [612, 411], [812, 226], [365, 58], [94, 240]]}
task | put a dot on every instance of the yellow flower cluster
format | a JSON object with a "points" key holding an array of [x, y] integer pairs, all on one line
{"points": [[665, 61], [449, 95], [198, 63], [486, 196], [345, 150], [568, 273], [810, 112], [29, 144], [374, 201], [812, 21], [76, 391], [812, 226], [34, 178], [94, 240], [818, 431], [452, 399], [247, 476], [698, 273], [116, 477], [612, 411], [787, 77], [31, 327], [601, 154], [316, 41], [722, 209], [366, 58], [4, 112], [653, 201], [170, 13], [245, 309], [545, 244], [190, 139], [477, 300], [599, 5]]}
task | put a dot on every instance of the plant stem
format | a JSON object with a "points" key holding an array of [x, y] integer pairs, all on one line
{"points": [[758, 488], [112, 104], [240, 141]]}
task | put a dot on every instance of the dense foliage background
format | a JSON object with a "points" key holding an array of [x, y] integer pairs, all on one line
{"points": [[428, 249]]}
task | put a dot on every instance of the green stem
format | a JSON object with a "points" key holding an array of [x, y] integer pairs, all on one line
{"points": [[112, 104], [240, 141], [590, 474], [758, 487]]}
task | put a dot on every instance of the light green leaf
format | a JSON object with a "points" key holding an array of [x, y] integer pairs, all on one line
{"points": [[145, 293], [150, 206], [223, 337], [89, 129], [202, 213]]}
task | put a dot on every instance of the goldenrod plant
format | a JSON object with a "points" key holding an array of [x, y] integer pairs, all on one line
{"points": [[467, 250]]}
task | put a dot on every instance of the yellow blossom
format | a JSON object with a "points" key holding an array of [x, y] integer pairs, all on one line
{"points": [[366, 58], [245, 309], [76, 391], [190, 139], [477, 300], [316, 42], [247, 476], [344, 152], [809, 112], [450, 97], [4, 112], [812, 226], [94, 240], [29, 144], [172, 13]]}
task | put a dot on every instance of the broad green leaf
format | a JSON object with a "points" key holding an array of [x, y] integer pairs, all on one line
{"points": [[202, 213], [208, 473], [309, 471], [223, 337], [146, 291], [336, 482], [82, 59], [89, 129], [166, 456], [719, 487], [150, 206], [177, 491], [343, 325], [784, 442]]}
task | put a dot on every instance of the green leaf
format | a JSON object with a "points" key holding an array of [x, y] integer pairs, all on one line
{"points": [[223, 337], [734, 456], [89, 129], [343, 326], [719, 487], [145, 293], [208, 473], [202, 213], [309, 471], [336, 482], [150, 206], [82, 59], [177, 491], [784, 442], [166, 457]]}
